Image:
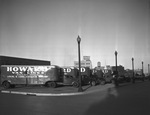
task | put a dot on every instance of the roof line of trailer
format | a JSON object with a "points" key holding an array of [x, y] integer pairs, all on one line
{"points": [[27, 65], [22, 58]]}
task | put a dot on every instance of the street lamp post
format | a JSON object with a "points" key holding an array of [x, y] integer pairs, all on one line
{"points": [[143, 76], [116, 79], [133, 79], [142, 68], [80, 81], [148, 72]]}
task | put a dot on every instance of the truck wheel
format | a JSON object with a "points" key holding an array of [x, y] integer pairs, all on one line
{"points": [[51, 84], [75, 84], [93, 83], [6, 85]]}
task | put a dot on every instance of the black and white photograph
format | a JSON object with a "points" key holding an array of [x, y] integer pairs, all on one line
{"points": [[74, 57]]}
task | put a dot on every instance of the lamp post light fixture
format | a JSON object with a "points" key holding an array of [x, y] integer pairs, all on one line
{"points": [[133, 78], [80, 80], [116, 79]]}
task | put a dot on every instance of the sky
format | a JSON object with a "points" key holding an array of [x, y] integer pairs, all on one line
{"points": [[48, 30]]}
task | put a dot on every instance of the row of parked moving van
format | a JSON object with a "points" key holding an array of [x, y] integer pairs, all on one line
{"points": [[52, 76]]}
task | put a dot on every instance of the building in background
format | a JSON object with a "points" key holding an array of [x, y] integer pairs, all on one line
{"points": [[86, 62], [99, 67]]}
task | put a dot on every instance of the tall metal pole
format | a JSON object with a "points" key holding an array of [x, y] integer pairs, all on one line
{"points": [[116, 79], [80, 80], [133, 79], [148, 72], [142, 69], [116, 60], [143, 76]]}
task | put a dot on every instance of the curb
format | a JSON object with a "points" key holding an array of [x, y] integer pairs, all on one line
{"points": [[42, 94], [56, 94]]}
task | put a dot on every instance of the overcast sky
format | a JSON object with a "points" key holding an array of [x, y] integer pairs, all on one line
{"points": [[48, 29]]}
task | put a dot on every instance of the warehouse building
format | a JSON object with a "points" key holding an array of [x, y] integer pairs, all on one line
{"points": [[7, 60]]}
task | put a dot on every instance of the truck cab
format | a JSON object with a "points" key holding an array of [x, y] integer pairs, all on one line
{"points": [[70, 76]]}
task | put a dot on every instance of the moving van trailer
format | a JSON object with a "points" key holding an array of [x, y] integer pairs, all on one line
{"points": [[12, 75]]}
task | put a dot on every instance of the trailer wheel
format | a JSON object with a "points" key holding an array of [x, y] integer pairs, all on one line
{"points": [[6, 85], [51, 84], [93, 83], [75, 84]]}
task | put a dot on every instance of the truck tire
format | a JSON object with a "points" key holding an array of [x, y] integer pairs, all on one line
{"points": [[6, 85], [51, 84], [93, 83], [75, 84]]}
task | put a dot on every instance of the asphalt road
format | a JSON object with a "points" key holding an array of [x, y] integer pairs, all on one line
{"points": [[127, 99]]}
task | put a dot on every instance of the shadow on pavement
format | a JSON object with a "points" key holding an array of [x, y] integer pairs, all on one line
{"points": [[133, 99]]}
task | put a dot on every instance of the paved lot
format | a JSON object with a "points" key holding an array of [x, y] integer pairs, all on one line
{"points": [[127, 99]]}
